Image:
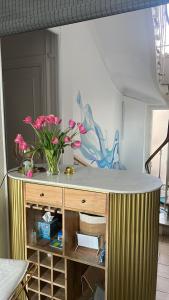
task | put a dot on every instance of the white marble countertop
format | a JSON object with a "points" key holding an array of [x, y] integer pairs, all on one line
{"points": [[99, 180]]}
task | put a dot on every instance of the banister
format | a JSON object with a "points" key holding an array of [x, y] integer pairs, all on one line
{"points": [[156, 151]]}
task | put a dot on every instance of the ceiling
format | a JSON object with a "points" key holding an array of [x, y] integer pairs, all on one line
{"points": [[126, 44]]}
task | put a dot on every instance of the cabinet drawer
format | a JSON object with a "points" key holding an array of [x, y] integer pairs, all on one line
{"points": [[85, 201], [41, 194]]}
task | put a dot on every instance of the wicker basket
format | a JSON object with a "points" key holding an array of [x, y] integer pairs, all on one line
{"points": [[93, 225]]}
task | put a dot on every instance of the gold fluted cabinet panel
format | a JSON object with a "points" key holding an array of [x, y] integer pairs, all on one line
{"points": [[16, 218], [133, 246]]}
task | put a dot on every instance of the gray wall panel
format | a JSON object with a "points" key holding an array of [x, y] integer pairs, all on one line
{"points": [[26, 15]]}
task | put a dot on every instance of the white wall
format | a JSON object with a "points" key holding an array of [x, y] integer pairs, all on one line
{"points": [[82, 69], [135, 139]]}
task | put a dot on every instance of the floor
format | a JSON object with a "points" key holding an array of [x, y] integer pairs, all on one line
{"points": [[163, 270]]}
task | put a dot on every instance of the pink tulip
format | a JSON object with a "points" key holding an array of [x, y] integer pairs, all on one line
{"points": [[57, 120], [55, 140], [42, 119], [72, 123], [23, 146], [28, 120], [38, 124], [50, 119], [76, 144], [82, 129], [29, 174], [67, 139], [19, 139]]}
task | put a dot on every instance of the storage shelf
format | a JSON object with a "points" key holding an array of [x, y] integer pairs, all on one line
{"points": [[45, 274], [45, 288], [45, 246], [58, 264], [58, 293], [59, 279], [33, 295], [32, 255], [85, 255], [33, 284], [58, 276], [45, 259], [42, 297]]}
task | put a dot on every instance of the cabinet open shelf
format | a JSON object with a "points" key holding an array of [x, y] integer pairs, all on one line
{"points": [[45, 274], [81, 254], [59, 273], [44, 245], [45, 259], [58, 293], [86, 256], [33, 284], [58, 264], [32, 255], [42, 297], [45, 288], [59, 279], [83, 280], [33, 295]]}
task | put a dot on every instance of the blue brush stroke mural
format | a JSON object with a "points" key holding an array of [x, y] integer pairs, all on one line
{"points": [[94, 147]]}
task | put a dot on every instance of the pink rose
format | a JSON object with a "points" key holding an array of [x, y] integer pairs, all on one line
{"points": [[72, 123], [76, 144], [29, 174], [28, 120], [55, 140], [82, 129], [19, 139], [67, 139], [23, 146]]}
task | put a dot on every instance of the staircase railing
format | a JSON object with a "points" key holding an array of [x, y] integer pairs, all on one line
{"points": [[166, 141]]}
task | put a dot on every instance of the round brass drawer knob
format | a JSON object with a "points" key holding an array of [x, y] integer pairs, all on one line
{"points": [[42, 195], [83, 201]]}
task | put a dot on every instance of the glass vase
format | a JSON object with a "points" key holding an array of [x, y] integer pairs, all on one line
{"points": [[53, 160]]}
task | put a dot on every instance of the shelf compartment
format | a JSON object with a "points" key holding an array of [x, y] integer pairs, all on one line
{"points": [[58, 293], [85, 255], [45, 288], [33, 295], [44, 245], [45, 274], [32, 255], [59, 279], [82, 254], [42, 297], [45, 259], [78, 273], [33, 284], [59, 264]]}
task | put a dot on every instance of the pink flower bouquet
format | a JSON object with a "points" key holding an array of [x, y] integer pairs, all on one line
{"points": [[51, 139]]}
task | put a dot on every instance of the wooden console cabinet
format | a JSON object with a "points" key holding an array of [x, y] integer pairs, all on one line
{"points": [[130, 204]]}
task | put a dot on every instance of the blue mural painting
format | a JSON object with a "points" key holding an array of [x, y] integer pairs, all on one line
{"points": [[94, 143]]}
